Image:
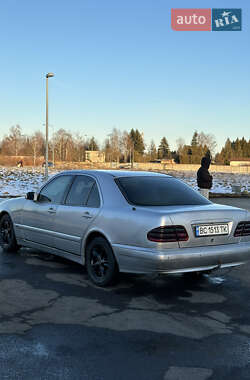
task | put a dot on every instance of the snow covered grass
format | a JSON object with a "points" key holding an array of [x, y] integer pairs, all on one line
{"points": [[222, 182], [18, 181]]}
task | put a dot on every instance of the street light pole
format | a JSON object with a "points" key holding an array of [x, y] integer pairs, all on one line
{"points": [[53, 139], [53, 155], [49, 75]]}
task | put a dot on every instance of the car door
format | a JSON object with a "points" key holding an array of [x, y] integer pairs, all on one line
{"points": [[79, 210], [39, 216]]}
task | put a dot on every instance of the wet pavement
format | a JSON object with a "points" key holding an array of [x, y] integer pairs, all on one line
{"points": [[56, 325]]}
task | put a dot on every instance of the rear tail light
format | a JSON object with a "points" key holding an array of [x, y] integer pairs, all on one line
{"points": [[242, 229], [168, 234]]}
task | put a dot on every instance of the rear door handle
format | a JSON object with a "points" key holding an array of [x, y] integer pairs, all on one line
{"points": [[52, 210], [87, 215]]}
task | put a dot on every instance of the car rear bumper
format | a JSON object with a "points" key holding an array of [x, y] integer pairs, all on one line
{"points": [[143, 260]]}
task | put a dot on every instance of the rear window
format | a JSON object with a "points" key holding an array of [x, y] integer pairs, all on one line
{"points": [[158, 191]]}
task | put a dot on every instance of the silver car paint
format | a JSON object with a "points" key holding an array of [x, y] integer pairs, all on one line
{"points": [[126, 226]]}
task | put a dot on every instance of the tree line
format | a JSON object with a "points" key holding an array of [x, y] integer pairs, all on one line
{"points": [[120, 147], [238, 149]]}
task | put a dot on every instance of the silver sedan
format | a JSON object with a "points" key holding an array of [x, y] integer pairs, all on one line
{"points": [[118, 221]]}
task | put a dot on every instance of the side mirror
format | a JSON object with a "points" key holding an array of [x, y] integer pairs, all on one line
{"points": [[32, 196]]}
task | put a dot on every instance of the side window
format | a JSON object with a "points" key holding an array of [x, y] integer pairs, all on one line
{"points": [[79, 191], [94, 197], [55, 190]]}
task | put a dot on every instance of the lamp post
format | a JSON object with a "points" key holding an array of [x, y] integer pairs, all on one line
{"points": [[49, 75], [53, 159], [53, 142]]}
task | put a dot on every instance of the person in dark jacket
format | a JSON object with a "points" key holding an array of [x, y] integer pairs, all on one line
{"points": [[204, 179]]}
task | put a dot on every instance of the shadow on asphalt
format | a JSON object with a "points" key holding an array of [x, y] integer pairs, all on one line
{"points": [[162, 287]]}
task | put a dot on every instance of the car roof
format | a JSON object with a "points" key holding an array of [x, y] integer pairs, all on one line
{"points": [[117, 173]]}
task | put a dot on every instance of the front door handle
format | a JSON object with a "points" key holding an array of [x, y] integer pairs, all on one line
{"points": [[52, 210], [87, 215]]}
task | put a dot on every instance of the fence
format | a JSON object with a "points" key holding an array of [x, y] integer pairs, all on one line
{"points": [[179, 167], [154, 166]]}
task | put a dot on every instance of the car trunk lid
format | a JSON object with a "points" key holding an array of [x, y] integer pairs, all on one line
{"points": [[192, 217]]}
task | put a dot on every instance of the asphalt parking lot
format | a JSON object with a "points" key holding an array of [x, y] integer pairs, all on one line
{"points": [[56, 325]]}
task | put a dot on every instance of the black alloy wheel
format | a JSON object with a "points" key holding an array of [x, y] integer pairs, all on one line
{"points": [[8, 238], [100, 262]]}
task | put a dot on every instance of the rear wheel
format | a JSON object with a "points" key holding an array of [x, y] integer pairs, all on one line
{"points": [[100, 262], [8, 238]]}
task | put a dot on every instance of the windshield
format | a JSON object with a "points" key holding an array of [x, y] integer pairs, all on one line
{"points": [[158, 191]]}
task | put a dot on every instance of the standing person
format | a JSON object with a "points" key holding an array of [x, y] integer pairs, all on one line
{"points": [[204, 179]]}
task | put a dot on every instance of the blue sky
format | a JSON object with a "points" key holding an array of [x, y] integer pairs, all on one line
{"points": [[118, 63]]}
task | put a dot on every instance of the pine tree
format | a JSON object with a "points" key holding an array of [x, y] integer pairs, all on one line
{"points": [[244, 147], [137, 141], [163, 150], [228, 152], [93, 144], [238, 149], [194, 141]]}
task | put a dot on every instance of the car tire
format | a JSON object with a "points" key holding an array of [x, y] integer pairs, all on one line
{"points": [[100, 262], [7, 233]]}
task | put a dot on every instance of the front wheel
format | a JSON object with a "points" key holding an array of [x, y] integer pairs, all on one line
{"points": [[100, 262], [8, 238]]}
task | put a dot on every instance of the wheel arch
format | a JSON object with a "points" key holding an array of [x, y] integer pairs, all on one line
{"points": [[92, 235], [4, 212]]}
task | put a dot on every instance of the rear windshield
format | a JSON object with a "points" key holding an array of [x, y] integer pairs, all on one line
{"points": [[158, 191]]}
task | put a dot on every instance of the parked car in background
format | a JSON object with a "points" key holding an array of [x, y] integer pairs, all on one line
{"points": [[126, 221], [50, 164]]}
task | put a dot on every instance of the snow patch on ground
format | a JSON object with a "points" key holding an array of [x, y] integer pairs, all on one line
{"points": [[18, 181], [222, 182]]}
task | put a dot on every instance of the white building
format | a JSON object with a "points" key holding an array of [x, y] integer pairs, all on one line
{"points": [[94, 156]]}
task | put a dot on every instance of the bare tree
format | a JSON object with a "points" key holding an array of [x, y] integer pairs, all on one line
{"points": [[34, 143], [207, 140], [12, 143], [37, 145], [126, 146], [180, 142], [115, 143], [16, 137], [79, 146], [60, 144], [152, 150], [107, 149]]}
